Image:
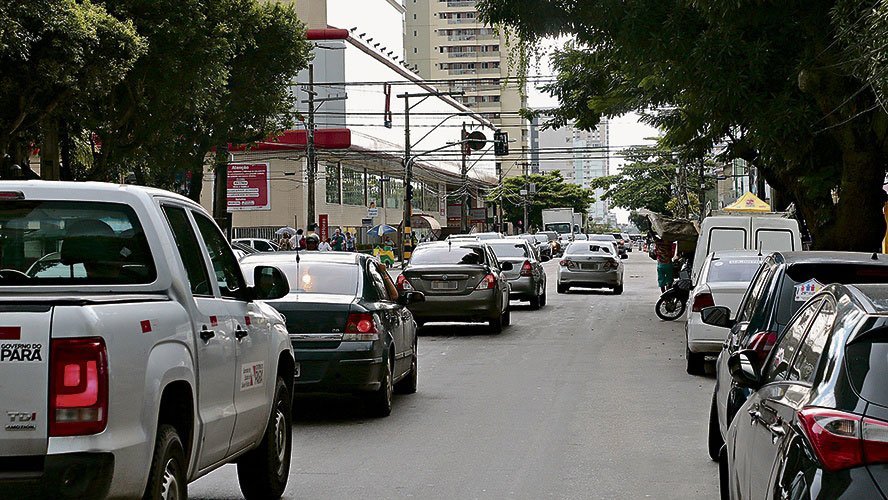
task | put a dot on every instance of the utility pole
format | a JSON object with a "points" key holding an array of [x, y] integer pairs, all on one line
{"points": [[464, 172], [407, 244], [499, 203], [310, 155], [702, 191], [526, 197]]}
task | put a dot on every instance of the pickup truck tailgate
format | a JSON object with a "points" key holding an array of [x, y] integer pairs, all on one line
{"points": [[24, 379]]}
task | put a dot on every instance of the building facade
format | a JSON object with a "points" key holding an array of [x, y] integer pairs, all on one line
{"points": [[449, 46]]}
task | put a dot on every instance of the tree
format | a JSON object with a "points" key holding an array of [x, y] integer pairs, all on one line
{"points": [[645, 181], [772, 80], [551, 192]]}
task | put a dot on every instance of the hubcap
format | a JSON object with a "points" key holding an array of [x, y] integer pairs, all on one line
{"points": [[280, 439], [170, 487]]}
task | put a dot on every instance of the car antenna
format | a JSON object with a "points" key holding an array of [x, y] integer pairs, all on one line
{"points": [[875, 256]]}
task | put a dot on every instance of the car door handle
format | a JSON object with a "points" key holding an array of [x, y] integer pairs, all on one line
{"points": [[240, 333], [206, 334]]}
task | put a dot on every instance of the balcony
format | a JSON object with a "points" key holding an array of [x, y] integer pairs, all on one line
{"points": [[456, 55], [463, 20], [462, 3]]}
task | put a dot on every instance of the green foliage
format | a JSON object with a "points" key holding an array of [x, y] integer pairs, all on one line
{"points": [[640, 221], [551, 192], [788, 86], [645, 181]]}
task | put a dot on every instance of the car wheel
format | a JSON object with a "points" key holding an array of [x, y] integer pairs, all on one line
{"points": [[407, 385], [263, 472], [562, 288], [535, 302], [380, 401], [696, 362], [166, 478], [618, 290], [715, 438], [496, 325], [543, 299], [507, 316]]}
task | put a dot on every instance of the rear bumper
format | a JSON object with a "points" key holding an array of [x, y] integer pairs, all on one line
{"points": [[590, 278], [67, 475], [703, 338], [480, 305], [350, 367], [524, 287]]}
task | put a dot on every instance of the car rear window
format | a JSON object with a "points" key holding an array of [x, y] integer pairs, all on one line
{"points": [[732, 269], [867, 362], [72, 243], [588, 249], [506, 250], [318, 277], [450, 254], [803, 280]]}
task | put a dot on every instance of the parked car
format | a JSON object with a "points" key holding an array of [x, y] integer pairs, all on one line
{"points": [[724, 278], [765, 233], [241, 250], [260, 244], [474, 236], [816, 424], [135, 356], [350, 327], [627, 241], [592, 264], [580, 237], [621, 249], [784, 281], [462, 281], [527, 279], [540, 242]]}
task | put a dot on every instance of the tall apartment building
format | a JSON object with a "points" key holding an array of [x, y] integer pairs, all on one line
{"points": [[450, 47], [580, 155]]}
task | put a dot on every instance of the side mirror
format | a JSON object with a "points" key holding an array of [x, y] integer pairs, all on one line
{"points": [[717, 316], [408, 298], [269, 283], [744, 369], [506, 266]]}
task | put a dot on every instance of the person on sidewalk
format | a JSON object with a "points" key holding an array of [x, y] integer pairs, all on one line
{"points": [[325, 246], [350, 243], [337, 241]]}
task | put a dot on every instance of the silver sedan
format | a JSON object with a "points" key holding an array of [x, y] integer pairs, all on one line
{"points": [[593, 264]]}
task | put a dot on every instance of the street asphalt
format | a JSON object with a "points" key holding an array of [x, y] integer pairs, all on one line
{"points": [[585, 398]]}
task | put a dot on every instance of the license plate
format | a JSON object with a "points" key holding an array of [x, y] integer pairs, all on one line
{"points": [[589, 267], [444, 285], [297, 371]]}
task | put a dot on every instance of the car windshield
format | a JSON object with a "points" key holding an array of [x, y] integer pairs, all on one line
{"points": [[72, 243], [803, 280], [561, 227], [732, 269], [588, 248], [506, 250], [450, 254], [601, 237], [541, 238], [318, 277]]}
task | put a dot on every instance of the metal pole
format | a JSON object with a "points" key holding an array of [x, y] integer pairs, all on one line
{"points": [[464, 219], [499, 203], [311, 157], [526, 196], [406, 240]]}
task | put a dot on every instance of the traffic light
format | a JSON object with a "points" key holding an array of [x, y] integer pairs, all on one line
{"points": [[409, 192], [500, 143]]}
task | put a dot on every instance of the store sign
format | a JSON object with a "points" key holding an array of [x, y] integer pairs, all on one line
{"points": [[372, 209], [249, 187], [323, 226], [454, 211], [477, 215]]}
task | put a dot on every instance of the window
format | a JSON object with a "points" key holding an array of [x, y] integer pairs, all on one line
{"points": [[805, 365], [394, 193], [430, 198], [726, 239], [414, 48], [755, 294], [389, 284], [319, 277], [331, 173], [374, 189], [772, 241], [781, 356], [225, 266], [377, 284], [450, 254], [352, 187], [189, 250]]}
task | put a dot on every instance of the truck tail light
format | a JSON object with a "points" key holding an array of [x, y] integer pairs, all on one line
{"points": [[78, 387], [761, 343], [488, 282], [843, 440], [360, 326], [526, 269], [702, 300], [404, 284]]}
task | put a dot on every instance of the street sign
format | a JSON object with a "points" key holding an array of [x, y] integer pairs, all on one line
{"points": [[372, 209], [323, 226], [477, 215], [249, 187], [476, 140], [367, 222]]}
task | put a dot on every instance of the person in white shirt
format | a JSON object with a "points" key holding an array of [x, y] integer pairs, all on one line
{"points": [[325, 246]]}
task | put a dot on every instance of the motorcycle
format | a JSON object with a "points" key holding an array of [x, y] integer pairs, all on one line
{"points": [[674, 300]]}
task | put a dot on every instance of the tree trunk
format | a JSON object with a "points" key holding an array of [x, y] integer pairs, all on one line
{"points": [[49, 149], [66, 150]]}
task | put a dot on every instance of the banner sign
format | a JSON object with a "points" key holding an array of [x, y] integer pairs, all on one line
{"points": [[477, 215], [249, 187], [323, 226]]}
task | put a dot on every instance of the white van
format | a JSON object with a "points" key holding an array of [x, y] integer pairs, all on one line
{"points": [[766, 233]]}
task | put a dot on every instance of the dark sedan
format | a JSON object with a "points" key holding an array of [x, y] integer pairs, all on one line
{"points": [[350, 328], [817, 424], [784, 281]]}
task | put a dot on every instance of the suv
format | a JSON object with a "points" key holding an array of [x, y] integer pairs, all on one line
{"points": [[134, 356], [461, 280], [780, 287]]}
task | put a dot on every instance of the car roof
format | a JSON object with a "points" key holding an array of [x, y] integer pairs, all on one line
{"points": [[828, 257], [505, 240], [456, 243], [304, 256], [727, 254]]}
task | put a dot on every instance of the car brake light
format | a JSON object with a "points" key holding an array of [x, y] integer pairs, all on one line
{"points": [[526, 269], [360, 326], [702, 300], [843, 440], [761, 343], [566, 263], [78, 387], [611, 264], [404, 284], [488, 282]]}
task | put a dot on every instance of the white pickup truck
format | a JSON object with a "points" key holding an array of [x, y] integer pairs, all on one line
{"points": [[133, 356]]}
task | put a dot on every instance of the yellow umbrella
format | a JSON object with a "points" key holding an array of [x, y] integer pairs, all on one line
{"points": [[748, 203]]}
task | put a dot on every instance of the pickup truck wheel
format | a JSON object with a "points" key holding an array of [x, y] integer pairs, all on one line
{"points": [[380, 401], [166, 479], [407, 385], [263, 472]]}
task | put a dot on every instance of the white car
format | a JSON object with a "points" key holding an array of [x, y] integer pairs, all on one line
{"points": [[260, 244], [724, 278]]}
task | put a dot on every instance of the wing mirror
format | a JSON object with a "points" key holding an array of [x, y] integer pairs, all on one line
{"points": [[744, 368], [269, 283], [407, 298], [717, 316], [506, 266]]}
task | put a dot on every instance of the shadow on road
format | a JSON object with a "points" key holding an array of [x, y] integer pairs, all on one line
{"points": [[323, 409], [455, 330], [589, 291]]}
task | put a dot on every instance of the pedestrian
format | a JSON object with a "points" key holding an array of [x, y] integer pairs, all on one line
{"points": [[325, 246], [300, 240], [665, 251], [337, 241], [283, 242], [350, 243]]}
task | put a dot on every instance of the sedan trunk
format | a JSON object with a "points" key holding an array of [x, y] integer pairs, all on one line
{"points": [[315, 313], [445, 279]]}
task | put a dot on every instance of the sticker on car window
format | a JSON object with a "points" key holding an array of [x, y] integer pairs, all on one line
{"points": [[806, 290]]}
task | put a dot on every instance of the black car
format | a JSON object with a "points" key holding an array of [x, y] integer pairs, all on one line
{"points": [[817, 424], [782, 284], [350, 328]]}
